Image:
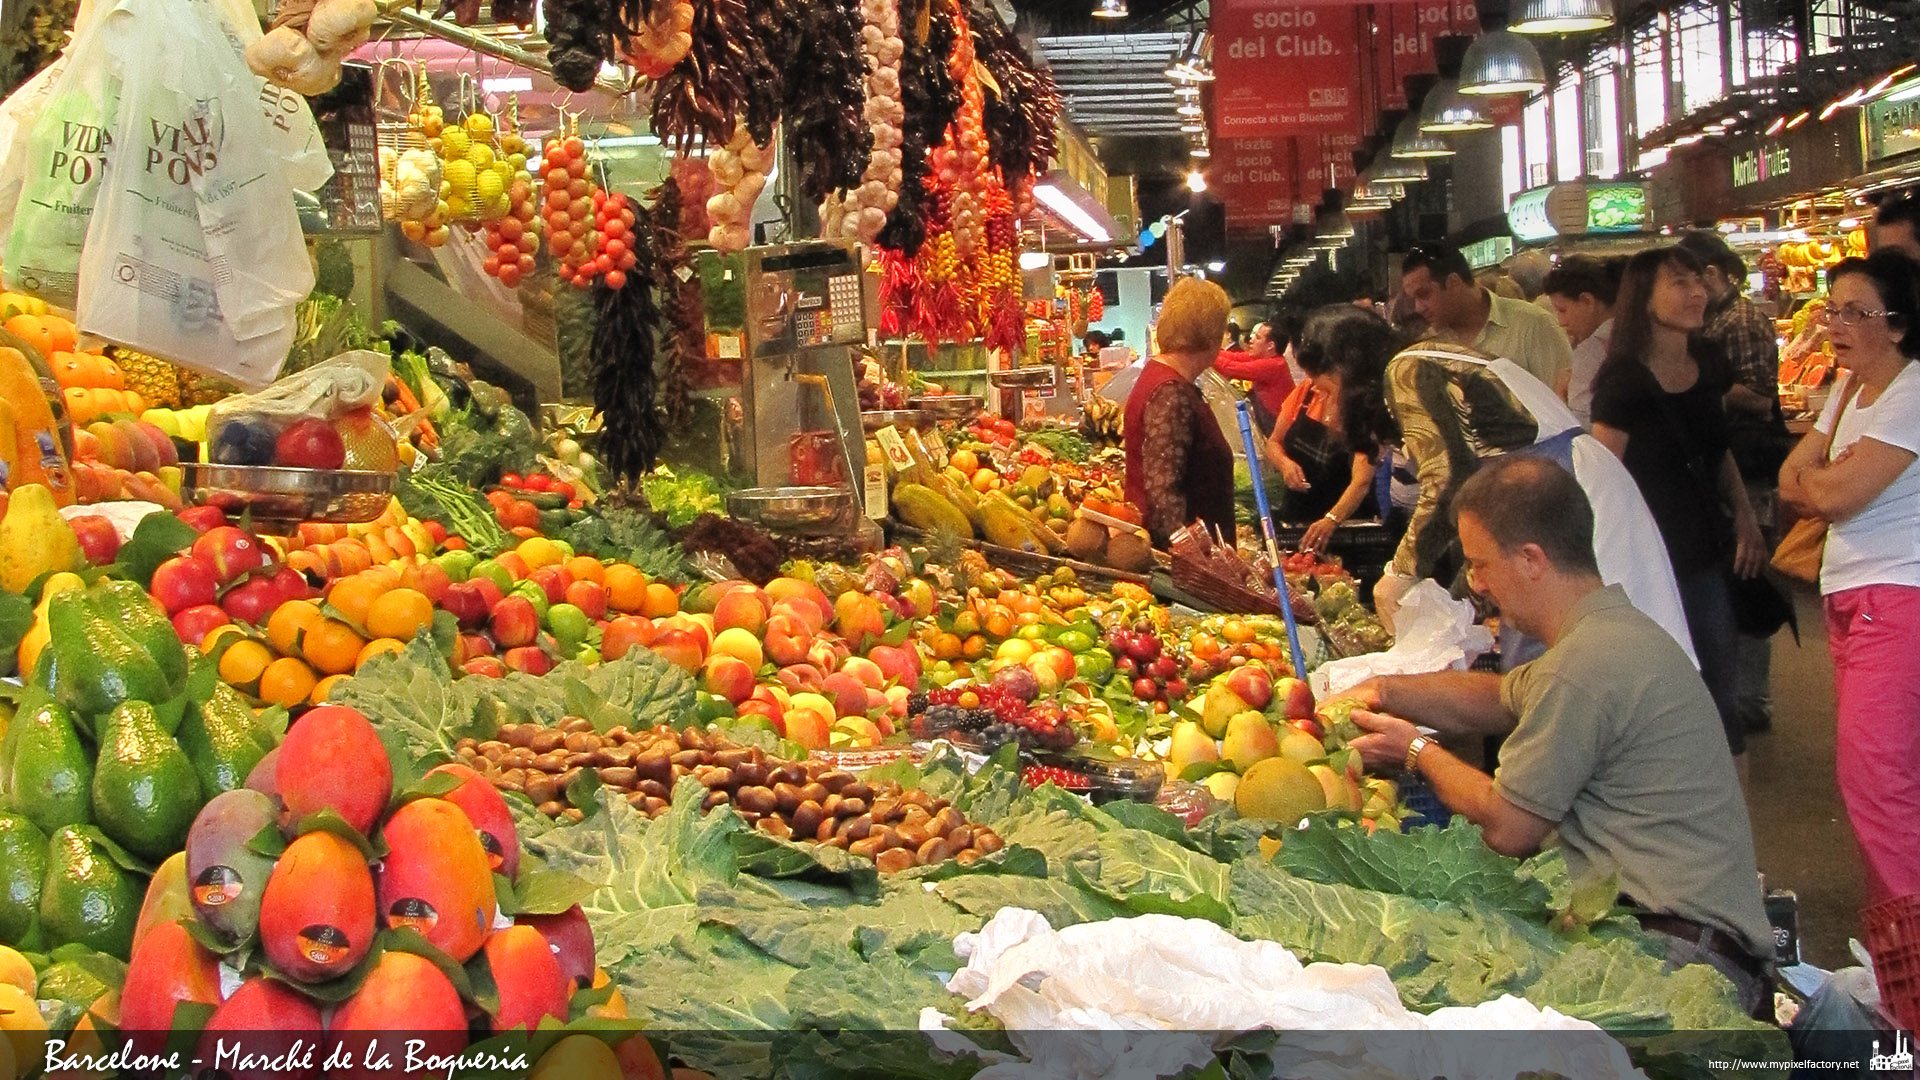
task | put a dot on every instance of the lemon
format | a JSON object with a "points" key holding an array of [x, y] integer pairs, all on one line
{"points": [[454, 144], [460, 175], [479, 124], [481, 155]]}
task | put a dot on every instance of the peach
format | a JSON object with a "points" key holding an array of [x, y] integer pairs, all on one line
{"points": [[855, 730], [857, 617], [740, 643], [899, 663], [809, 728], [864, 669], [788, 589], [787, 640], [896, 697], [828, 653], [701, 631], [812, 702], [802, 613], [776, 696], [727, 676], [798, 677], [848, 693], [742, 608], [681, 649]]}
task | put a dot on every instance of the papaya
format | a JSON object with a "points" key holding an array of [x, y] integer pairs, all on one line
{"points": [[923, 508], [168, 969], [403, 997], [226, 877], [436, 878], [316, 915], [264, 1020], [333, 760], [488, 812], [528, 975]]}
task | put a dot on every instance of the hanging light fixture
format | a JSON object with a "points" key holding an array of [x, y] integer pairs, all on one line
{"points": [[1410, 142], [1111, 9], [1192, 127], [1202, 151], [1561, 16], [1501, 62], [1189, 108], [1446, 111], [1392, 170]]}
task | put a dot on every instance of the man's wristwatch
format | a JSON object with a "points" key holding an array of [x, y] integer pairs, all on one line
{"points": [[1419, 743]]}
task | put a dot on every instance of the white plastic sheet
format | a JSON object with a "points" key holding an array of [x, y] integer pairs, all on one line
{"points": [[1433, 632]]}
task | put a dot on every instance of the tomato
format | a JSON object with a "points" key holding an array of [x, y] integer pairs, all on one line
{"points": [[616, 279]]}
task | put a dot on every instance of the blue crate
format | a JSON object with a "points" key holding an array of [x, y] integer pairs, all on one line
{"points": [[1423, 805]]}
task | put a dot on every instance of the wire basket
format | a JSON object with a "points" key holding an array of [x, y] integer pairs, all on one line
{"points": [[1893, 940]]}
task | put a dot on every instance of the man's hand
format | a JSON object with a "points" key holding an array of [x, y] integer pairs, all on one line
{"points": [[1384, 746], [1371, 694]]}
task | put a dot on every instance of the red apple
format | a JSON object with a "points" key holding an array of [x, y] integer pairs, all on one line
{"points": [[590, 597], [553, 580], [515, 623], [230, 552], [1310, 725], [428, 579], [195, 623], [202, 518], [310, 444], [771, 710], [726, 676], [787, 640], [489, 591], [251, 601], [485, 665], [467, 604], [291, 584], [183, 582], [99, 540], [529, 659], [679, 648], [623, 634], [476, 645]]}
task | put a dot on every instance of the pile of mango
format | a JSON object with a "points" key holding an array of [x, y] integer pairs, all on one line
{"points": [[116, 747]]}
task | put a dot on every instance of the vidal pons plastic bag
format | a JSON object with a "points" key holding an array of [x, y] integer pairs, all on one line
{"points": [[195, 251]]}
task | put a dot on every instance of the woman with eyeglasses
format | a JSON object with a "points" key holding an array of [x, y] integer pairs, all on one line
{"points": [[1856, 469], [1657, 406]]}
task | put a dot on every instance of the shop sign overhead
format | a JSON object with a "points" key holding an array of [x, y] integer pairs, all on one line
{"points": [[1285, 68]]}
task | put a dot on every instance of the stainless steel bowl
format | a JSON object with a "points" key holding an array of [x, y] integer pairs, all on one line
{"points": [[794, 509], [948, 406], [1026, 378], [874, 419], [275, 495]]}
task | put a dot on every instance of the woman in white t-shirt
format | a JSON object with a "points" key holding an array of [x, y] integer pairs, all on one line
{"points": [[1858, 470]]}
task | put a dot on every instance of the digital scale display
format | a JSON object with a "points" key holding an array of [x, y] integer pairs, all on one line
{"points": [[807, 299]]}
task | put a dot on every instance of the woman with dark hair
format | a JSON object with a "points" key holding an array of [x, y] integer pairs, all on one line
{"points": [[1857, 470], [1327, 481], [1451, 408], [1657, 404]]}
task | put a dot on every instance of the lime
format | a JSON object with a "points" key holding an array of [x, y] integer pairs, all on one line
{"points": [[568, 623]]}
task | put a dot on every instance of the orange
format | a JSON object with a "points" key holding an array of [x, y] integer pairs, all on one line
{"points": [[540, 551], [377, 647], [661, 601], [81, 407], [243, 663], [399, 613], [332, 646], [587, 568], [288, 622], [946, 646], [107, 373], [286, 682], [986, 480], [324, 689], [626, 588], [353, 597], [965, 460], [974, 647], [998, 623], [210, 644], [35, 331]]}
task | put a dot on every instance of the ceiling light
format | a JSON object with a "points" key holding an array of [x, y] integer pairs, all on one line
{"points": [[1217, 265], [1561, 16], [1034, 260], [1501, 62], [1394, 170], [1779, 124], [1189, 109], [1192, 127], [1071, 212], [1111, 9], [1196, 181], [1849, 223], [1799, 118], [1446, 111], [1202, 151], [1410, 142]]}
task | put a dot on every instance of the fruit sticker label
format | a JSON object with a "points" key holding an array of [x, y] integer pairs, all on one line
{"points": [[491, 843], [217, 885], [322, 944], [412, 913]]}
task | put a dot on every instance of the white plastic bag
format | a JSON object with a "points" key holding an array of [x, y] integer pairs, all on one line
{"points": [[1432, 632], [17, 116], [195, 253], [295, 136]]}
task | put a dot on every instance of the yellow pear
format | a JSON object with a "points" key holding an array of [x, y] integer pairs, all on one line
{"points": [[1250, 739], [38, 635], [1190, 743], [35, 539]]}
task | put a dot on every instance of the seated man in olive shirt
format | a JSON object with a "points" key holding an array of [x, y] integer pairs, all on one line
{"points": [[1612, 739]]}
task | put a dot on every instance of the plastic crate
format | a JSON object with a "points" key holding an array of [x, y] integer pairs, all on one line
{"points": [[1893, 940], [1423, 805]]}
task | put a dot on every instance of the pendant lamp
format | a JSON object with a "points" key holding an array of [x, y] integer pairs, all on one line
{"points": [[1410, 142], [1501, 62], [1561, 16], [1446, 111], [1392, 170]]}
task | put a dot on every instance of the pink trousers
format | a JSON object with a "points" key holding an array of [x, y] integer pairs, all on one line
{"points": [[1873, 633]]}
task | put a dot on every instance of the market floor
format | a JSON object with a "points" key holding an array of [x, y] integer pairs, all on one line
{"points": [[1799, 825]]}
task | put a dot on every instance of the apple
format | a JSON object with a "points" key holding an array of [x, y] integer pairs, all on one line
{"points": [[849, 694], [1146, 689], [727, 676], [426, 578], [310, 444], [858, 619], [590, 597], [571, 940], [739, 643], [195, 623], [490, 570], [1059, 660], [623, 634], [99, 540], [487, 666], [530, 659], [183, 582], [488, 591], [1310, 725], [680, 648], [900, 664], [920, 598], [467, 605], [1252, 684], [553, 580], [1176, 688], [797, 678], [775, 718], [865, 670], [515, 565], [476, 645], [695, 625], [162, 443], [515, 623], [251, 601], [1295, 695], [776, 696], [744, 607], [229, 551]]}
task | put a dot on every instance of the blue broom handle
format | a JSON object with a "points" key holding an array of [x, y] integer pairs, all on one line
{"points": [[1273, 542]]}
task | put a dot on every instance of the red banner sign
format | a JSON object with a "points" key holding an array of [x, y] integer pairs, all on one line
{"points": [[1403, 45], [1254, 179], [1285, 68]]}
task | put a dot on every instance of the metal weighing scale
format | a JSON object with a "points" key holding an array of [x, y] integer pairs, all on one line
{"points": [[800, 405]]}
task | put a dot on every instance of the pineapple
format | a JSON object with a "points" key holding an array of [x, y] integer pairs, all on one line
{"points": [[156, 381]]}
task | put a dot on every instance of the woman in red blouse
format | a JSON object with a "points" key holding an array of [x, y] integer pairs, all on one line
{"points": [[1179, 464]]}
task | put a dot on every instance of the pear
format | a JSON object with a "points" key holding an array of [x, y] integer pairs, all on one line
{"points": [[1341, 792], [1191, 743], [35, 539], [1279, 789], [1299, 746], [1250, 739], [1219, 706], [1222, 785]]}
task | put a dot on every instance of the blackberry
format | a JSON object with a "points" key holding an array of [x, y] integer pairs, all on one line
{"points": [[917, 702]]}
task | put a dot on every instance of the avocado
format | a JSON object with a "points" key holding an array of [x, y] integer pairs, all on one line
{"points": [[52, 777], [221, 740], [87, 898], [96, 666], [145, 790], [23, 865]]}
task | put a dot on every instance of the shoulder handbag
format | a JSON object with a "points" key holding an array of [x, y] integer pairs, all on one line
{"points": [[1804, 547]]}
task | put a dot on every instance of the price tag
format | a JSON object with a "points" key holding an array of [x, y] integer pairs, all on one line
{"points": [[895, 448]]}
